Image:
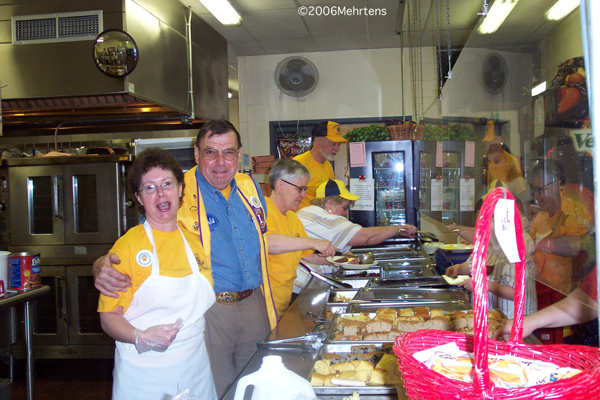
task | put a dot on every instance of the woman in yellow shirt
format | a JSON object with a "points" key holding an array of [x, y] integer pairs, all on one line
{"points": [[158, 323], [288, 179]]}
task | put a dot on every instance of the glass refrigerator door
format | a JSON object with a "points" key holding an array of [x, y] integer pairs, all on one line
{"points": [[425, 163], [388, 171], [451, 187]]}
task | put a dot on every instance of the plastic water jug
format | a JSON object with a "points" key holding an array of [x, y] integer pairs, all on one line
{"points": [[273, 381]]}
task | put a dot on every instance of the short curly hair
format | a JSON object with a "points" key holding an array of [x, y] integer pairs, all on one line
{"points": [[153, 157]]}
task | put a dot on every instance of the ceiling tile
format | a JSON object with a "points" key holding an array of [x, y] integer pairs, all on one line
{"points": [[289, 46], [247, 48], [275, 25], [341, 42], [262, 5]]}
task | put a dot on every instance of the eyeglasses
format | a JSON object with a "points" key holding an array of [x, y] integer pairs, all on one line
{"points": [[151, 188], [538, 190], [300, 189], [228, 154]]}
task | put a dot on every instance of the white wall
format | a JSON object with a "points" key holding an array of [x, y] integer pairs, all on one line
{"points": [[352, 84], [564, 42]]}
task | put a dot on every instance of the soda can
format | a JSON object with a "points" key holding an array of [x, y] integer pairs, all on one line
{"points": [[24, 271]]}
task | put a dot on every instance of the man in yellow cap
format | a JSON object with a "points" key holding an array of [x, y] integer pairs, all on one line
{"points": [[326, 144]]}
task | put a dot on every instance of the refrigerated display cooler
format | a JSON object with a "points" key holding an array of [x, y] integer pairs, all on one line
{"points": [[408, 181]]}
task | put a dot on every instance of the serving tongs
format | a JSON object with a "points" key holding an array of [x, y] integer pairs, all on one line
{"points": [[421, 235], [308, 341], [331, 281]]}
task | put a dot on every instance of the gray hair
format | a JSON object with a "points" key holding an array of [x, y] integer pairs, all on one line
{"points": [[287, 169]]}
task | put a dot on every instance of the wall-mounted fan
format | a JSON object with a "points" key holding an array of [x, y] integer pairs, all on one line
{"points": [[296, 76], [494, 73]]}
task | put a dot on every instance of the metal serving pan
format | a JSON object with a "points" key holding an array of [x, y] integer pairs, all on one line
{"points": [[343, 349], [390, 272], [410, 294], [371, 272], [328, 312], [435, 281], [335, 296], [450, 306], [356, 283]]}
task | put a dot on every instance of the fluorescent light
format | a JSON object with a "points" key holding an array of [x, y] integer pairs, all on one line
{"points": [[561, 8], [229, 95], [496, 16], [223, 11], [538, 89]]}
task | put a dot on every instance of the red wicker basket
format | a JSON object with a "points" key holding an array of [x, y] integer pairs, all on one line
{"points": [[422, 383]]}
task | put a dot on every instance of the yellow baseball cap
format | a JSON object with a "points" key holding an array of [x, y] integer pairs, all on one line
{"points": [[332, 131], [334, 188]]}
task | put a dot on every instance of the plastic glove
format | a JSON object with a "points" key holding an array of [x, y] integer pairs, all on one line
{"points": [[157, 337]]}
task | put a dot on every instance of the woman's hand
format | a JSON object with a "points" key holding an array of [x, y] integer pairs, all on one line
{"points": [[467, 284], [453, 271], [107, 279], [157, 337], [324, 247], [409, 230]]}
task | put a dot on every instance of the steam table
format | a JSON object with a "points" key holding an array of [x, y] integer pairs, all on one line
{"points": [[25, 298]]}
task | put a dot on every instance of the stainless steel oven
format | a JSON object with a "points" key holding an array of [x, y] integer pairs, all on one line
{"points": [[71, 210]]}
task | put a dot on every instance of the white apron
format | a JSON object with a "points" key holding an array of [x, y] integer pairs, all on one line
{"points": [[161, 300]]}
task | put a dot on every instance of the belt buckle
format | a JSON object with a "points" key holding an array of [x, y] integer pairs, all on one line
{"points": [[227, 298]]}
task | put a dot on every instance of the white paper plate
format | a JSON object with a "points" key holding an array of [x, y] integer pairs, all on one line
{"points": [[347, 265], [457, 280]]}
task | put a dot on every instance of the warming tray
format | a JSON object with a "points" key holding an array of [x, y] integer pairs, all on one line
{"points": [[436, 281], [338, 297], [453, 305], [356, 283], [343, 349], [328, 312], [343, 273], [390, 272], [410, 294]]}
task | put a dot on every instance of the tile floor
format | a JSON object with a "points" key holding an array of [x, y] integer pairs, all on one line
{"points": [[66, 379]]}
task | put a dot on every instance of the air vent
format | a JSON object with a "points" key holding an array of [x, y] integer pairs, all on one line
{"points": [[52, 28]]}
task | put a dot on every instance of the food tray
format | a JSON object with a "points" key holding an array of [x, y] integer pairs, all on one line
{"points": [[328, 312], [410, 294], [450, 306], [339, 348], [356, 283], [390, 272], [371, 272], [334, 294], [436, 281]]}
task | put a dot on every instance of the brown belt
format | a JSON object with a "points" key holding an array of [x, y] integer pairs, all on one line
{"points": [[227, 298]]}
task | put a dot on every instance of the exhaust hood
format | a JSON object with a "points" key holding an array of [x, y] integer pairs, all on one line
{"points": [[57, 84]]}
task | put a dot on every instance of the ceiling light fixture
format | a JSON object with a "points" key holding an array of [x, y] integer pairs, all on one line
{"points": [[223, 11], [496, 16], [561, 8]]}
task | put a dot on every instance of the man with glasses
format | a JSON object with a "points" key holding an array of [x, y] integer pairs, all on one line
{"points": [[227, 211], [561, 233], [326, 145]]}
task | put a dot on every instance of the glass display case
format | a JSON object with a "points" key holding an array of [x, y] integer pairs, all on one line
{"points": [[451, 187], [388, 169]]}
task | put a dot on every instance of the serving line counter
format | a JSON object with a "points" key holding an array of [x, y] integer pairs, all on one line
{"points": [[296, 322]]}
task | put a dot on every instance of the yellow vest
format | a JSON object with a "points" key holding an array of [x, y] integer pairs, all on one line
{"points": [[188, 214]]}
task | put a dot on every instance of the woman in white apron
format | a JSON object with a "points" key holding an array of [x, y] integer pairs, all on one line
{"points": [[158, 324]]}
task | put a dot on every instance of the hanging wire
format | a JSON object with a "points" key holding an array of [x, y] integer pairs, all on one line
{"points": [[420, 47], [412, 56], [439, 48], [448, 39]]}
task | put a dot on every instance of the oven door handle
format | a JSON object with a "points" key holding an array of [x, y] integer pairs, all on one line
{"points": [[55, 188], [62, 297]]}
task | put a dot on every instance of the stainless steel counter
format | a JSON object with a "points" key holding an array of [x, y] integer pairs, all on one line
{"points": [[296, 322]]}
